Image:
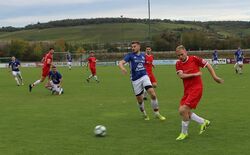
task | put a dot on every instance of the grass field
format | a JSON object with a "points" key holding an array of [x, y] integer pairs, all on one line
{"points": [[38, 123]]}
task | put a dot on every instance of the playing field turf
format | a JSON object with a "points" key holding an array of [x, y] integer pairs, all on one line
{"points": [[39, 123]]}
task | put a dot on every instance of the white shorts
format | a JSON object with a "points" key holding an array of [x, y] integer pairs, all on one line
{"points": [[15, 73], [140, 84], [69, 63], [215, 62], [240, 62], [55, 87]]}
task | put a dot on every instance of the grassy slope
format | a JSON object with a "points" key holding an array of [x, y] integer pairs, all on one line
{"points": [[38, 123], [94, 33]]}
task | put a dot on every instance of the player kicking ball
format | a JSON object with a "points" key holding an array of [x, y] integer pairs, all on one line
{"points": [[55, 82], [188, 69], [140, 79]]}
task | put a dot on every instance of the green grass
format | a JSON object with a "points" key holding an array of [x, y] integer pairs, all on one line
{"points": [[94, 33], [38, 123]]}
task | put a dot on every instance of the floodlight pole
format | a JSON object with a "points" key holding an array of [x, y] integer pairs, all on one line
{"points": [[149, 24]]}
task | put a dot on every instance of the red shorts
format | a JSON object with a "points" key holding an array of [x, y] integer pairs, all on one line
{"points": [[45, 72], [152, 78], [93, 71], [191, 98]]}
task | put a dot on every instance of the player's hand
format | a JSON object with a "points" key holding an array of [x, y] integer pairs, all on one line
{"points": [[124, 71], [218, 80]]}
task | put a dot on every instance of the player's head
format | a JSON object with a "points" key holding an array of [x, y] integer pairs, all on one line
{"points": [[148, 50], [51, 50], [92, 53], [53, 68], [181, 53], [13, 58], [135, 46]]}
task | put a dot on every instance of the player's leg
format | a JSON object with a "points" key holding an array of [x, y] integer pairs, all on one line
{"points": [[94, 74], [36, 82], [145, 94], [240, 67], [236, 67], [14, 73], [138, 90], [154, 102], [20, 77], [184, 111]]}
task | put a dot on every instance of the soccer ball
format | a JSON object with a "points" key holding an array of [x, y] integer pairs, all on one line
{"points": [[100, 131]]}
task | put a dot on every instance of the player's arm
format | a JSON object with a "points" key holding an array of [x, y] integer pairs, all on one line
{"points": [[121, 66], [213, 74], [61, 81], [49, 61], [184, 75]]}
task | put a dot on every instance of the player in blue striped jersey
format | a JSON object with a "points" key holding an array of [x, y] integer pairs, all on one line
{"points": [[140, 79]]}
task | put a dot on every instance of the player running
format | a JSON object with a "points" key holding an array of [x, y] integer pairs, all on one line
{"points": [[215, 59], [69, 60], [188, 69], [149, 58], [55, 82], [238, 56], [140, 79], [47, 62], [92, 66], [15, 65]]}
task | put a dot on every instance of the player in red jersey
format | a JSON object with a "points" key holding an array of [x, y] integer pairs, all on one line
{"points": [[149, 58], [92, 66], [47, 62], [188, 69]]}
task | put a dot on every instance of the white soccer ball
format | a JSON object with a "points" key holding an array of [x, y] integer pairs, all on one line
{"points": [[100, 130]]}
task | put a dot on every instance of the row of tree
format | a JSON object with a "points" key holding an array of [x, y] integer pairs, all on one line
{"points": [[167, 41]]}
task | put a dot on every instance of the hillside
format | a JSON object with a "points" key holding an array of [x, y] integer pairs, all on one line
{"points": [[120, 32]]}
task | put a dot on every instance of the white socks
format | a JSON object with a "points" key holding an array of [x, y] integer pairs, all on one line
{"points": [[184, 127], [37, 82], [197, 118], [142, 109], [17, 81], [154, 104], [95, 77]]}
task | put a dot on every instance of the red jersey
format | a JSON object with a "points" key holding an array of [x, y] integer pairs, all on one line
{"points": [[45, 60], [92, 62], [191, 65], [149, 63]]}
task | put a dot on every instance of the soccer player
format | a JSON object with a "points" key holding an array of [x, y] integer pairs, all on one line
{"points": [[215, 59], [92, 66], [140, 79], [149, 58], [15, 65], [188, 69], [55, 82], [69, 60], [238, 56], [47, 62]]}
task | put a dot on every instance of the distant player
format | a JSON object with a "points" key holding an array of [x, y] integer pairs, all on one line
{"points": [[69, 60], [149, 58], [140, 79], [238, 56], [14, 64], [47, 62], [215, 59], [55, 82], [188, 69], [92, 66]]}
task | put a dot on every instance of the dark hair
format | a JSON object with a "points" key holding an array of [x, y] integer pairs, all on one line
{"points": [[51, 48], [135, 42], [53, 66]]}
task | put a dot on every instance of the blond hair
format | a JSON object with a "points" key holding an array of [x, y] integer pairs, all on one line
{"points": [[180, 47]]}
